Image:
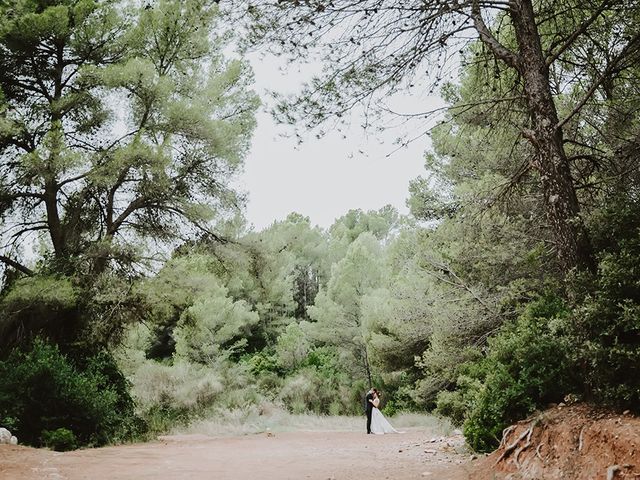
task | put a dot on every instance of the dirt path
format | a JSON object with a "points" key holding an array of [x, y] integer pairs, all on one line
{"points": [[281, 456]]}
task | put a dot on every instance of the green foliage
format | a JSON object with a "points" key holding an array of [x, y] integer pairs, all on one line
{"points": [[37, 302], [125, 128], [44, 391], [458, 403], [263, 362], [527, 367], [337, 313], [213, 326], [293, 347], [606, 321], [60, 440], [322, 387]]}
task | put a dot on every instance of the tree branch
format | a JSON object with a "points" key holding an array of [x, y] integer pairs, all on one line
{"points": [[610, 68], [18, 266], [500, 51], [572, 38]]}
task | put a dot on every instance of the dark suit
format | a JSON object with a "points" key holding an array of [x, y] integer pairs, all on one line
{"points": [[368, 409]]}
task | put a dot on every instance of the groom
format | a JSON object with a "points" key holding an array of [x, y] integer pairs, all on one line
{"points": [[368, 406]]}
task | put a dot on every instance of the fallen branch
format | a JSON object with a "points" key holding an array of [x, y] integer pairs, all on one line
{"points": [[18, 266]]}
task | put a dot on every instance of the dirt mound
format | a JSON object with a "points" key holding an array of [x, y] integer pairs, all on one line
{"points": [[576, 442]]}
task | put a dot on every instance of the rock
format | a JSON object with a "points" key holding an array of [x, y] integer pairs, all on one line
{"points": [[457, 431], [5, 436], [561, 404], [14, 440], [626, 412], [426, 474], [474, 457], [430, 450]]}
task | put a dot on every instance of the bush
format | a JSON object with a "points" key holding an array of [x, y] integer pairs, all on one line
{"points": [[606, 332], [606, 325], [60, 440], [456, 404], [169, 395], [527, 367], [43, 391], [308, 391]]}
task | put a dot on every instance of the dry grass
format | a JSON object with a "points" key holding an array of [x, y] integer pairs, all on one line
{"points": [[269, 418]]}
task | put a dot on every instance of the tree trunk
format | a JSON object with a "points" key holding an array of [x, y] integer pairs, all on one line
{"points": [[53, 218], [367, 366], [561, 202]]}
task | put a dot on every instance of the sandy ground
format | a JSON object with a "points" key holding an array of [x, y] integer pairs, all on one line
{"points": [[292, 455]]}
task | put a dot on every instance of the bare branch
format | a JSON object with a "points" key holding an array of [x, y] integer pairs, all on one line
{"points": [[499, 50], [634, 43], [18, 266], [582, 29]]}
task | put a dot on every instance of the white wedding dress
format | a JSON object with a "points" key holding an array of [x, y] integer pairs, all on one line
{"points": [[379, 424]]}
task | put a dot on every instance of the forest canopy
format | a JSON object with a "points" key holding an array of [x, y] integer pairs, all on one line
{"points": [[513, 282]]}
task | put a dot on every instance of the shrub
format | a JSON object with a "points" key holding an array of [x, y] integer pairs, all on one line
{"points": [[292, 347], [527, 367], [606, 332], [307, 391], [606, 322], [60, 440], [44, 391], [456, 404]]}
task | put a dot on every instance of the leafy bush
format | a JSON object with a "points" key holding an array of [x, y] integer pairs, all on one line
{"points": [[169, 395], [390, 408], [456, 404], [308, 391], [527, 367], [292, 347], [44, 391], [60, 440], [606, 322], [262, 362]]}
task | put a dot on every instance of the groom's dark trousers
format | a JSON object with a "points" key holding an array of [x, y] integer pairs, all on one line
{"points": [[369, 410]]}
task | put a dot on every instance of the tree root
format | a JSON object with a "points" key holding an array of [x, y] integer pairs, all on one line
{"points": [[538, 452], [581, 438], [505, 433], [611, 471], [514, 446], [526, 445]]}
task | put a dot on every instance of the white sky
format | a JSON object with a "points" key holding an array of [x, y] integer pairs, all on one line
{"points": [[324, 178]]}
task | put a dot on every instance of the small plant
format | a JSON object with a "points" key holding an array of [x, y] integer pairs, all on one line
{"points": [[60, 439]]}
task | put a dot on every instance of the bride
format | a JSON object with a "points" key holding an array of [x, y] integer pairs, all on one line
{"points": [[379, 424]]}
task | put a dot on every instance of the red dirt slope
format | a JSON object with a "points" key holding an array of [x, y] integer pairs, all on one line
{"points": [[576, 442]]}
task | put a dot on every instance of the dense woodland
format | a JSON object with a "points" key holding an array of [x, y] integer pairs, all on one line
{"points": [[135, 297]]}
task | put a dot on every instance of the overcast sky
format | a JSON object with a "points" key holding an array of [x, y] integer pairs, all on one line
{"points": [[324, 178]]}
